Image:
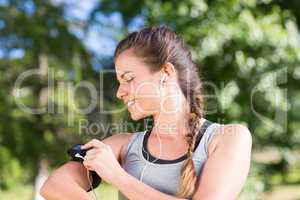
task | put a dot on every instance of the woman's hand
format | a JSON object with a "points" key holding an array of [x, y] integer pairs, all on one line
{"points": [[102, 160]]}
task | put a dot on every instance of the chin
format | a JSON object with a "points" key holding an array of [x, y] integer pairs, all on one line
{"points": [[137, 117]]}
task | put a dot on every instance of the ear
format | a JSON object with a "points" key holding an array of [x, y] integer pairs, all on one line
{"points": [[163, 78], [169, 69]]}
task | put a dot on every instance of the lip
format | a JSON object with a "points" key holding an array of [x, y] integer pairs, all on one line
{"points": [[132, 100]]}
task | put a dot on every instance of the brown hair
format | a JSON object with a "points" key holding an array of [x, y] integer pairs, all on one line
{"points": [[157, 46]]}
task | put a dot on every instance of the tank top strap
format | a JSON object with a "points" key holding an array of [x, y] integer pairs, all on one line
{"points": [[206, 138]]}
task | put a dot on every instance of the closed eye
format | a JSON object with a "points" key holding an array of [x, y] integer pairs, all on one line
{"points": [[130, 80], [127, 81]]}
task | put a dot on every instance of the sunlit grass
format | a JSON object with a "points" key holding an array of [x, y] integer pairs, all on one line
{"points": [[107, 192], [21, 192], [103, 192]]}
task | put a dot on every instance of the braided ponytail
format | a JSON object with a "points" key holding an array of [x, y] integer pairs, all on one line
{"points": [[188, 171]]}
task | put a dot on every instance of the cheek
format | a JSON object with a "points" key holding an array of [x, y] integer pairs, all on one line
{"points": [[147, 90], [148, 105], [147, 97]]}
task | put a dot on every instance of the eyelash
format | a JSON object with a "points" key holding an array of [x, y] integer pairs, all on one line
{"points": [[130, 80]]}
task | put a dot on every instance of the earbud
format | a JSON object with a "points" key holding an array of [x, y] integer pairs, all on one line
{"points": [[163, 78]]}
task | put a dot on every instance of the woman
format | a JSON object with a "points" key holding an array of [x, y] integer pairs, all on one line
{"points": [[184, 156]]}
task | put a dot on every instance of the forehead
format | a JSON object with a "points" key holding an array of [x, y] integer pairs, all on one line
{"points": [[127, 61]]}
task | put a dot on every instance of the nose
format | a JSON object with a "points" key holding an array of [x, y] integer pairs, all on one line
{"points": [[122, 91]]}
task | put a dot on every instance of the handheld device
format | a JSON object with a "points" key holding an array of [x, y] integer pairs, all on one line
{"points": [[78, 154]]}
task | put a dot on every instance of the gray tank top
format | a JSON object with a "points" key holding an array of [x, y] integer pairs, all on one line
{"points": [[163, 175]]}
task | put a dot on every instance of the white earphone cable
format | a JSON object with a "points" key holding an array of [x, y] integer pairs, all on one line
{"points": [[88, 176], [91, 185], [159, 141]]}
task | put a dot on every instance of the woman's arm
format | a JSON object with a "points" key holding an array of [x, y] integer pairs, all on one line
{"points": [[227, 167], [67, 182], [70, 180]]}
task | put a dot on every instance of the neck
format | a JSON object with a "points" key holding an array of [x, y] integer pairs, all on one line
{"points": [[173, 125], [170, 126]]}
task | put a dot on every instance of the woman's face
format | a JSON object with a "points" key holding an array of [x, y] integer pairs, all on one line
{"points": [[138, 87]]}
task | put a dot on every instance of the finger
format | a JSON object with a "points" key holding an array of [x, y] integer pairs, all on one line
{"points": [[92, 151], [88, 165], [92, 143], [89, 161], [90, 157]]}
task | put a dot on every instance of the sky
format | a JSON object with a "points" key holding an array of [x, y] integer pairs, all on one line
{"points": [[100, 39]]}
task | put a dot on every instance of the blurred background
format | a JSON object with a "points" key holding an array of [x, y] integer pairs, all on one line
{"points": [[58, 86]]}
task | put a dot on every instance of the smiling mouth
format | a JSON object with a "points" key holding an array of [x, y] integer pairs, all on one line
{"points": [[130, 103]]}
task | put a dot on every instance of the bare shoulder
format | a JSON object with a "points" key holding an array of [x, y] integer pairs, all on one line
{"points": [[117, 143], [231, 136], [117, 139]]}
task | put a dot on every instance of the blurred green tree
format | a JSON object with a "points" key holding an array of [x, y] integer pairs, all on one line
{"points": [[38, 32]]}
